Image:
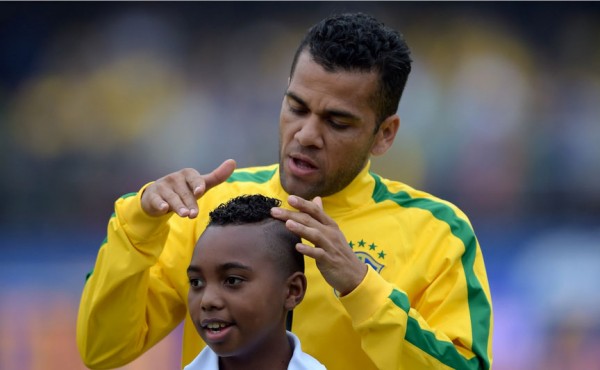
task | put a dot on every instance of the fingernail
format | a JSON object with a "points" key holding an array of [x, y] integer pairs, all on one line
{"points": [[292, 200], [276, 211]]}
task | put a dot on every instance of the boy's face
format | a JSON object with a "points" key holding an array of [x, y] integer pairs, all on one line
{"points": [[236, 298]]}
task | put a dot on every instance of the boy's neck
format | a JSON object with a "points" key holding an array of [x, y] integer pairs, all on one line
{"points": [[275, 356]]}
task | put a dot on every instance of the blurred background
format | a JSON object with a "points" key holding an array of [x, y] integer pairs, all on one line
{"points": [[501, 116]]}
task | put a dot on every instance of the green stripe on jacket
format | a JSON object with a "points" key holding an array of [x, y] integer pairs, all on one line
{"points": [[479, 306], [257, 177]]}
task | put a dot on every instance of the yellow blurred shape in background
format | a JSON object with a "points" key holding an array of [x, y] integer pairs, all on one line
{"points": [[94, 112]]}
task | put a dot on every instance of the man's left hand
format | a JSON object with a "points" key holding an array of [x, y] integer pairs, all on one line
{"points": [[335, 259]]}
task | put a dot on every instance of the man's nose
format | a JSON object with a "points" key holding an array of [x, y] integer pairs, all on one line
{"points": [[310, 132]]}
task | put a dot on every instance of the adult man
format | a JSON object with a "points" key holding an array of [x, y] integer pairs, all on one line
{"points": [[396, 276]]}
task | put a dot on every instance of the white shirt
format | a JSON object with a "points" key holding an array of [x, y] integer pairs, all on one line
{"points": [[208, 360]]}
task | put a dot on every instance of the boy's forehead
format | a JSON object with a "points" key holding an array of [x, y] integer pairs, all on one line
{"points": [[234, 238]]}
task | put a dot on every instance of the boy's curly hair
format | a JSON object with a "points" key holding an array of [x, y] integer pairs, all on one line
{"points": [[256, 209]]}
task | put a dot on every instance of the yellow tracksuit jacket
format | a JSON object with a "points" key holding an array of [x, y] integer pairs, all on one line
{"points": [[424, 303]]}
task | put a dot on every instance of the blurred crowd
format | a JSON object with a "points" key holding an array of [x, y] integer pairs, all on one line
{"points": [[501, 116]]}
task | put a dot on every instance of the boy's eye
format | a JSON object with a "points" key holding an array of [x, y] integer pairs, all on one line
{"points": [[196, 283], [233, 280]]}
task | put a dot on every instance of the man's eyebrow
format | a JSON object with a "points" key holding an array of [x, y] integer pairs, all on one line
{"points": [[330, 112], [295, 97]]}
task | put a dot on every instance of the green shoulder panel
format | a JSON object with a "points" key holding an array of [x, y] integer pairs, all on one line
{"points": [[258, 177]]}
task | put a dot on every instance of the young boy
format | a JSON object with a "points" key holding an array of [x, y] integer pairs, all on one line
{"points": [[245, 276]]}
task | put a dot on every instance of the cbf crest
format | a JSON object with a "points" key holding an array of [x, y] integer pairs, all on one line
{"points": [[369, 253]]}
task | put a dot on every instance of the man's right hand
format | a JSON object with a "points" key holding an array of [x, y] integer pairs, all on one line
{"points": [[179, 190]]}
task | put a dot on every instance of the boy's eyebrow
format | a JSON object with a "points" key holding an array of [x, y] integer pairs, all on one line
{"points": [[192, 268], [224, 267], [235, 265], [331, 112]]}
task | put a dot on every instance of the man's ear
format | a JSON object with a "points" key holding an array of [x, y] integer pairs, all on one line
{"points": [[296, 287], [385, 135]]}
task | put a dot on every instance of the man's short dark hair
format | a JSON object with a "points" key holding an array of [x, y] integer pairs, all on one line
{"points": [[359, 42], [256, 209]]}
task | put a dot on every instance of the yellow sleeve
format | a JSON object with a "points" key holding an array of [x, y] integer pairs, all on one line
{"points": [[130, 301], [448, 326]]}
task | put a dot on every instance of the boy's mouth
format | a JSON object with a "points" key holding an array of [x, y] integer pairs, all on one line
{"points": [[216, 331], [215, 327]]}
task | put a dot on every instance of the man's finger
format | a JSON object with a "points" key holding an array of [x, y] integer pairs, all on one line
{"points": [[176, 204], [158, 206], [296, 216], [313, 252], [179, 193], [312, 208], [303, 231], [216, 177]]}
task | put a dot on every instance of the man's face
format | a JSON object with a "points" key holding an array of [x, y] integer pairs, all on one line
{"points": [[236, 298], [326, 128]]}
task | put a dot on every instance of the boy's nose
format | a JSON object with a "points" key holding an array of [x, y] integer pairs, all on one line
{"points": [[211, 299]]}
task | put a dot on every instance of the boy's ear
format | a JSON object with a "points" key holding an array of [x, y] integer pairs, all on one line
{"points": [[296, 287]]}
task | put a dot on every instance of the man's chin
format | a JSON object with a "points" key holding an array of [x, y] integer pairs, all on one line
{"points": [[294, 186]]}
